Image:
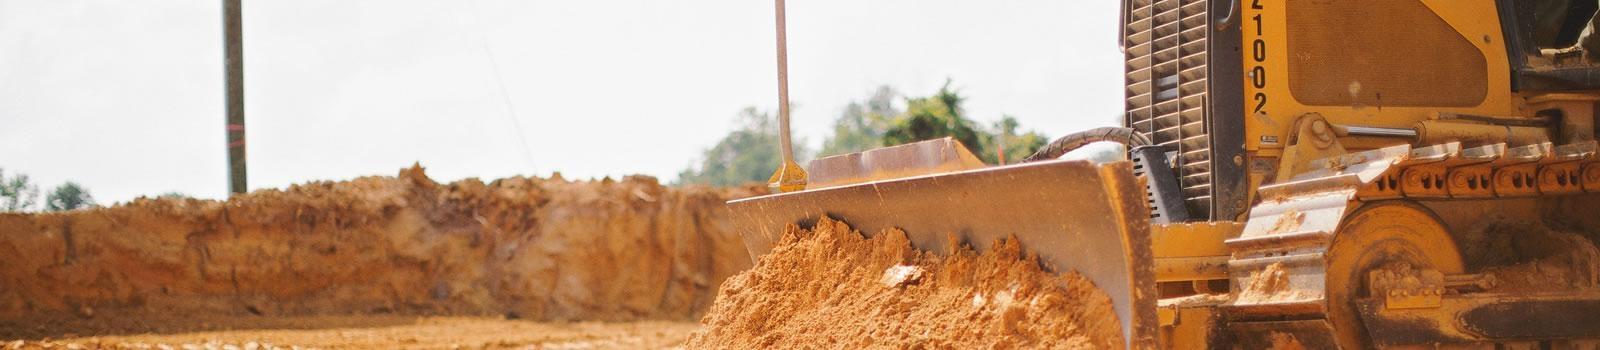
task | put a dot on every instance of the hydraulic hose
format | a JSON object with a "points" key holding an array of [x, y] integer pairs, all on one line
{"points": [[1125, 136]]}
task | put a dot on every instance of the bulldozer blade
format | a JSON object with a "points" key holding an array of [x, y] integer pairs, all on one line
{"points": [[1077, 216]]}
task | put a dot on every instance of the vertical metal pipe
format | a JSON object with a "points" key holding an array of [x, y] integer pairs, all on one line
{"points": [[783, 89], [233, 64]]}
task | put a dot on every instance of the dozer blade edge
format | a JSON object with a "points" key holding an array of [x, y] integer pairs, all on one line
{"points": [[1077, 216]]}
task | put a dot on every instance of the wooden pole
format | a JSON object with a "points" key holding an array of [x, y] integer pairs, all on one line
{"points": [[233, 64], [783, 88]]}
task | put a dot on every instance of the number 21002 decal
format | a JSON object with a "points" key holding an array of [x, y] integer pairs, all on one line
{"points": [[1258, 53]]}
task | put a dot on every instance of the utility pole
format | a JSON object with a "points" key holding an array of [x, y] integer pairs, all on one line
{"points": [[233, 64], [790, 176]]}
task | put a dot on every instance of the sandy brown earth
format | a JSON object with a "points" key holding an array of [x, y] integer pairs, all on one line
{"points": [[405, 262], [1269, 284], [373, 254], [358, 332], [831, 287]]}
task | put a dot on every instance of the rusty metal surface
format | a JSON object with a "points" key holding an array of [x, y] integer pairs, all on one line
{"points": [[912, 159], [1302, 334], [1535, 319], [1484, 319], [1394, 330], [1075, 215]]}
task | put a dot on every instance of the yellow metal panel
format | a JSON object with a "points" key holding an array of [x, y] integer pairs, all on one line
{"points": [[1271, 109], [1192, 252], [1187, 327], [1193, 240], [1191, 268], [1380, 54]]}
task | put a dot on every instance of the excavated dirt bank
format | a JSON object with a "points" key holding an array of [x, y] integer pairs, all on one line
{"points": [[516, 248], [830, 287]]}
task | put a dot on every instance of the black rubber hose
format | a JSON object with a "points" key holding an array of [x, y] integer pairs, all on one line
{"points": [[1125, 136]]}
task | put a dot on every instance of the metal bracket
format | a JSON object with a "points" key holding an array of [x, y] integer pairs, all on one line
{"points": [[1161, 184]]}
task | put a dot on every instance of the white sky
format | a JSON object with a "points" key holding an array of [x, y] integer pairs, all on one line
{"points": [[125, 97]]}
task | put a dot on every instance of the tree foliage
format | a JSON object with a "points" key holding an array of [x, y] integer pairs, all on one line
{"points": [[933, 117], [941, 115], [181, 195], [17, 193], [68, 196], [749, 154], [1004, 135], [862, 124]]}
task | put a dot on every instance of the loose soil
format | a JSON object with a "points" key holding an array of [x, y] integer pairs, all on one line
{"points": [[1269, 284], [831, 287], [405, 262], [404, 246]]}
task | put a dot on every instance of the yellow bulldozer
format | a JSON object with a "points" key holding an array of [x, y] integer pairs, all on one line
{"points": [[1299, 173]]}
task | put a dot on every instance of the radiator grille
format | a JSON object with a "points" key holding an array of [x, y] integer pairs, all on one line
{"points": [[1165, 51]]}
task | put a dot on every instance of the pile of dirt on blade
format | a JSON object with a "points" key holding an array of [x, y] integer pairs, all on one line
{"points": [[833, 288], [543, 249]]}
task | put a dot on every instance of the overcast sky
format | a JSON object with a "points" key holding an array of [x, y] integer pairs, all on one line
{"points": [[125, 97]]}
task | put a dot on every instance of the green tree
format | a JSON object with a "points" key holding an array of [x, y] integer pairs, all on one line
{"points": [[68, 196], [941, 115], [17, 193], [933, 117], [181, 195], [748, 154], [862, 124], [1003, 135]]}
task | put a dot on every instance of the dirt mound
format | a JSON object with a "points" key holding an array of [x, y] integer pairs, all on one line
{"points": [[831, 287], [521, 247]]}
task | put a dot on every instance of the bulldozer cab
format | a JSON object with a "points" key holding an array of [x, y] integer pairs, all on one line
{"points": [[1554, 44], [1222, 87]]}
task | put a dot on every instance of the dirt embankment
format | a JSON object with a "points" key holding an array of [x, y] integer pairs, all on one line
{"points": [[524, 248], [832, 288]]}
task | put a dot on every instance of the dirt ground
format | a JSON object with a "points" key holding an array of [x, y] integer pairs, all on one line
{"points": [[831, 287], [348, 332], [405, 262], [538, 249], [377, 262]]}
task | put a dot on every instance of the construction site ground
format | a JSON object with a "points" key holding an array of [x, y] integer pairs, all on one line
{"points": [[406, 262], [344, 332]]}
